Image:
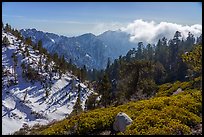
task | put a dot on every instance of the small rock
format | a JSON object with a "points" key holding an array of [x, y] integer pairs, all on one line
{"points": [[106, 132]]}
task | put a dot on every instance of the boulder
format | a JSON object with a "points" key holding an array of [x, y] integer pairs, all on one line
{"points": [[121, 121], [179, 90]]}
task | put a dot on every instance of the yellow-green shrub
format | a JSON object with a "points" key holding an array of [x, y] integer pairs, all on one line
{"points": [[154, 122], [159, 115], [168, 89]]}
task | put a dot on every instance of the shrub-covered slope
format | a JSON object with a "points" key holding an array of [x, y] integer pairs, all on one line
{"points": [[164, 114]]}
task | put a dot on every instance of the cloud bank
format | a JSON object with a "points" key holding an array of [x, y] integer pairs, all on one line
{"points": [[150, 32]]}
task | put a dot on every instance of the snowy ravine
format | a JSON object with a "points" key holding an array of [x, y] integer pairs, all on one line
{"points": [[36, 108]]}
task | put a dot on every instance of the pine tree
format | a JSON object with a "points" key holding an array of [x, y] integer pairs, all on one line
{"points": [[72, 84], [105, 91], [28, 41], [199, 40], [91, 102], [139, 51], [23, 69], [47, 92], [77, 108], [60, 73], [55, 69], [159, 73], [150, 52], [161, 52], [39, 46], [55, 57], [85, 71], [27, 54], [94, 75], [7, 28], [190, 40], [20, 46], [63, 64], [137, 71], [175, 46], [79, 90], [40, 63], [18, 34], [115, 72], [5, 41], [182, 70], [15, 62], [82, 74], [108, 63], [70, 61], [69, 97]]}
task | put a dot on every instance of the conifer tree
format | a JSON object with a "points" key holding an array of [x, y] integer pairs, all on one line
{"points": [[8, 28], [105, 91], [47, 92], [139, 50], [23, 69], [28, 41], [40, 63], [77, 108], [5, 41], [15, 61], [199, 40], [108, 63], [91, 102], [27, 54], [40, 48]]}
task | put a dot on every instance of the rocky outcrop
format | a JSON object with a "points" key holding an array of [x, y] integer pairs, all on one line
{"points": [[121, 121]]}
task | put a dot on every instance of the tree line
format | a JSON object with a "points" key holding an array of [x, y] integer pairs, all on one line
{"points": [[137, 75]]}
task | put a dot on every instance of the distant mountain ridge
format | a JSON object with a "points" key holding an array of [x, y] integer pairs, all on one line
{"points": [[87, 49]]}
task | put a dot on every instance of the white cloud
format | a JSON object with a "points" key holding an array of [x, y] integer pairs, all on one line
{"points": [[151, 31]]}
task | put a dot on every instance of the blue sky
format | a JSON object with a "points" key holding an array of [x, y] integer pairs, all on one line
{"points": [[69, 18]]}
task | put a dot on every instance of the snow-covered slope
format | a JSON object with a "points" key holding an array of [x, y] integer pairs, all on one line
{"points": [[26, 102]]}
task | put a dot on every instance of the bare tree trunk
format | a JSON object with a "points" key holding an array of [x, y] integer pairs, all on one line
{"points": [[25, 95]]}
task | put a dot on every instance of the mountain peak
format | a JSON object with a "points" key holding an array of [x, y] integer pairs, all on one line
{"points": [[87, 35]]}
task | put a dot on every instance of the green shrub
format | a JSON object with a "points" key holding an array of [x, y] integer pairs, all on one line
{"points": [[168, 89], [154, 122], [170, 115]]}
